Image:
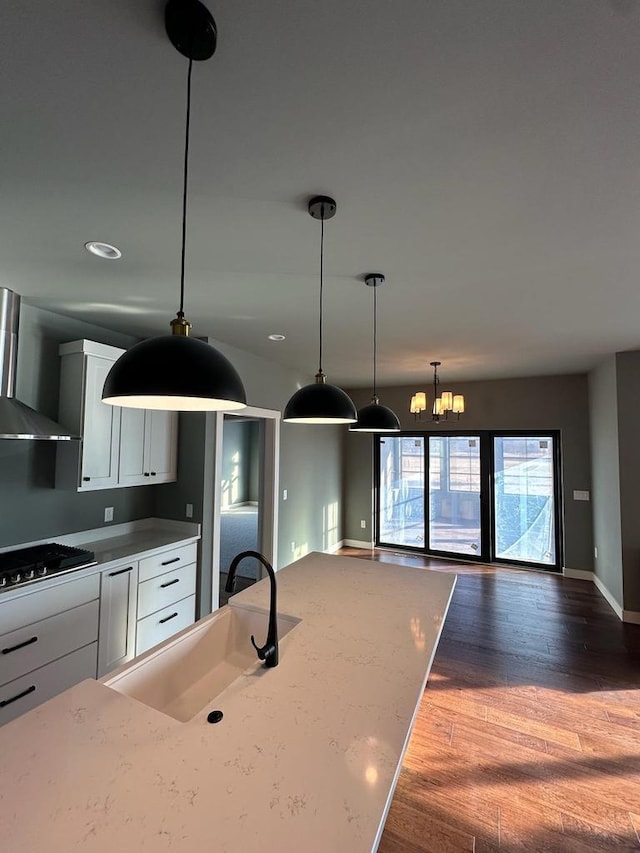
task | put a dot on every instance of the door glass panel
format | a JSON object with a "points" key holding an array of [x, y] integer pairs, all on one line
{"points": [[524, 504], [454, 494], [401, 495]]}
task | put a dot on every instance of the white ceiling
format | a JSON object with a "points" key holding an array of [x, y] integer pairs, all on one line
{"points": [[484, 154]]}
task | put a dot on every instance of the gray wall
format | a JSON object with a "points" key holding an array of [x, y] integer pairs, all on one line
{"points": [[30, 507], [605, 470], [310, 467], [538, 403], [236, 471], [628, 408]]}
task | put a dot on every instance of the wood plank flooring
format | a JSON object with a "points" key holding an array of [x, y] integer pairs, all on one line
{"points": [[528, 735]]}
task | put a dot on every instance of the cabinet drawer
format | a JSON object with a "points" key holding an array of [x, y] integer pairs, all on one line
{"points": [[167, 561], [40, 605], [30, 690], [165, 623], [41, 642], [159, 592]]}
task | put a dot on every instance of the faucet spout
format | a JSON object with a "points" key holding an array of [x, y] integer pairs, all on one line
{"points": [[269, 652]]}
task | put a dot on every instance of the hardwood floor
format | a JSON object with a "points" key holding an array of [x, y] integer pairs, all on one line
{"points": [[528, 736]]}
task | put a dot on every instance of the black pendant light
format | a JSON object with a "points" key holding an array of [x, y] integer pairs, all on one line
{"points": [[374, 417], [320, 403], [176, 372]]}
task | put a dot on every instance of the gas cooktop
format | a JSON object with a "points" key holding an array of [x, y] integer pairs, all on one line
{"points": [[30, 565]]}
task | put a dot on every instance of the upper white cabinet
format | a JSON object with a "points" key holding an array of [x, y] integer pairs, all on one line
{"points": [[119, 447], [147, 447], [93, 462]]}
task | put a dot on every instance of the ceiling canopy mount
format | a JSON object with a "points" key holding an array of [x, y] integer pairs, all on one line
{"points": [[191, 29]]}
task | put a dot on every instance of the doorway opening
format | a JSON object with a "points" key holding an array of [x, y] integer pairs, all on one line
{"points": [[245, 496], [240, 516]]}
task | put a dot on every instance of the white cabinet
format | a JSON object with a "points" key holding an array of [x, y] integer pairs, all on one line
{"points": [[118, 612], [120, 446], [148, 447], [48, 642], [166, 595], [92, 463], [165, 623]]}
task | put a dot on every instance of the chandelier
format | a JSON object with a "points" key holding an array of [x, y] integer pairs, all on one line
{"points": [[444, 403]]}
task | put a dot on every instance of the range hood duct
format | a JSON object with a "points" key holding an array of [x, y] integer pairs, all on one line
{"points": [[16, 419]]}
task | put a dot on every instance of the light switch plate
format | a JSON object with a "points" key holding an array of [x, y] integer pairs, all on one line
{"points": [[580, 495], [189, 511], [285, 494]]}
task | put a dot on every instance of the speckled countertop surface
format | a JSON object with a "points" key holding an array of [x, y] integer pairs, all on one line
{"points": [[304, 760]]}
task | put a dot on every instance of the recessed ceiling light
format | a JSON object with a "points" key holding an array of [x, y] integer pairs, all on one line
{"points": [[103, 250], [276, 337]]}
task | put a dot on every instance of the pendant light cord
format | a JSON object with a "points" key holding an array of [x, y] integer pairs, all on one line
{"points": [[321, 280], [184, 190], [375, 336]]}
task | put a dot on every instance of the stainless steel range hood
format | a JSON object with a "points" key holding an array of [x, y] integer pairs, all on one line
{"points": [[16, 419]]}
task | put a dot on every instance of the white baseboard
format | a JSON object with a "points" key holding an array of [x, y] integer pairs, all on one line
{"points": [[358, 543], [608, 597], [333, 548], [578, 574], [630, 616]]}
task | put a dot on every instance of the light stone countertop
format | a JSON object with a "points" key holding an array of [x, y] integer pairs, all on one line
{"points": [[306, 756], [113, 544]]}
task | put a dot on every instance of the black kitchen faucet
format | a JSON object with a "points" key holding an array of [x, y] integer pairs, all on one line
{"points": [[269, 652]]}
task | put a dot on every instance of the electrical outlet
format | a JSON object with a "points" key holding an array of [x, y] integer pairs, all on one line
{"points": [[293, 547], [285, 494], [189, 511], [108, 513], [363, 524], [595, 552]]}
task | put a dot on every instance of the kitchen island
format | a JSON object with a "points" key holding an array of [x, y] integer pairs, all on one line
{"points": [[306, 756]]}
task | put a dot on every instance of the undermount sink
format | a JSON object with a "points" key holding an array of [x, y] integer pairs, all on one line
{"points": [[184, 674]]}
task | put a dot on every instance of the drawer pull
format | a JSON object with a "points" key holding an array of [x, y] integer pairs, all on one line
{"points": [[20, 646], [166, 618], [120, 572], [168, 562], [86, 479], [169, 583], [26, 692]]}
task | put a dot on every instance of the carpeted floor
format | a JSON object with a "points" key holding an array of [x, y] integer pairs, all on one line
{"points": [[239, 532]]}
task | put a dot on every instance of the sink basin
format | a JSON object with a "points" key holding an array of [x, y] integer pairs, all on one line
{"points": [[182, 675]]}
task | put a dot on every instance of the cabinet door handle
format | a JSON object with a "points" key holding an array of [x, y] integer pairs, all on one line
{"points": [[168, 562], [28, 642], [15, 698], [169, 583], [120, 572], [146, 473], [153, 473], [166, 618], [86, 479]]}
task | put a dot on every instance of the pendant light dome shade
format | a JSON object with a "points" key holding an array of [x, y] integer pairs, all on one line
{"points": [[376, 418], [177, 373], [320, 403]]}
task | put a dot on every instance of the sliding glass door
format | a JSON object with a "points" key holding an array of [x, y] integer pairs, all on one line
{"points": [[401, 491], [454, 495], [483, 496], [524, 499]]}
